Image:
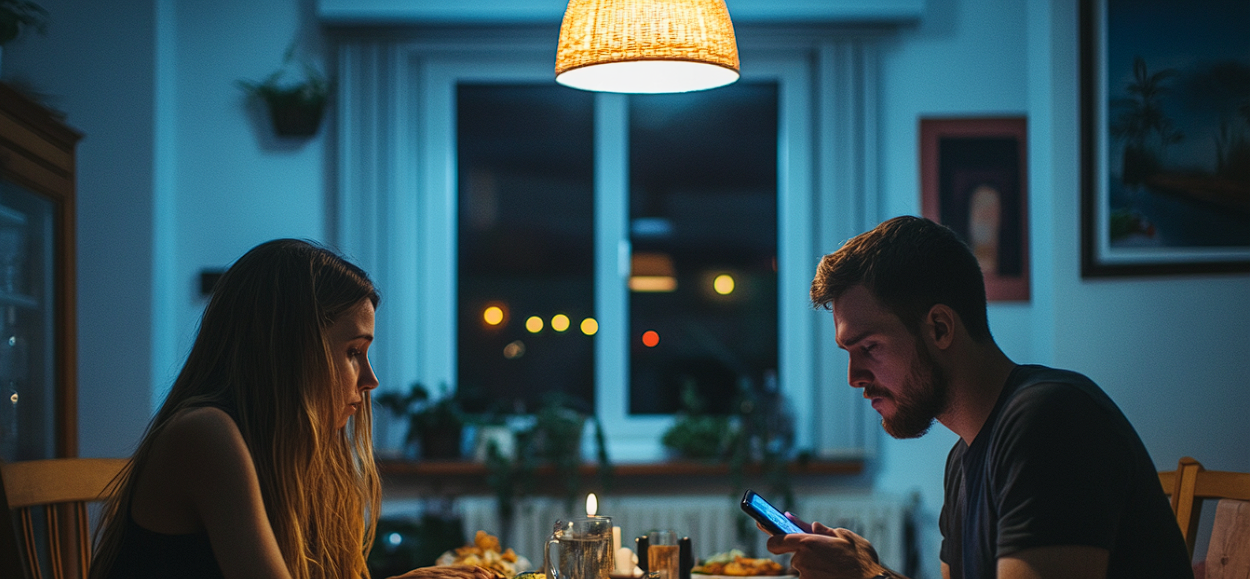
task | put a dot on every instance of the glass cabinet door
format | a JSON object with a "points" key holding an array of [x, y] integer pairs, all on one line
{"points": [[38, 361], [27, 382]]}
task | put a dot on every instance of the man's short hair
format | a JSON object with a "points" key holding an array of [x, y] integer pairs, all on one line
{"points": [[910, 264]]}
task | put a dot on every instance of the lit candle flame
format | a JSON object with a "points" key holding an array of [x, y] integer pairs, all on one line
{"points": [[592, 505]]}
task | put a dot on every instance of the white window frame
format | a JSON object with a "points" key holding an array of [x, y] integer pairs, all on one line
{"points": [[396, 211]]}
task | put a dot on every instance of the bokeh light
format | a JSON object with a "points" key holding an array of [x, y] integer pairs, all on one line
{"points": [[590, 327], [493, 315], [534, 324], [514, 350], [723, 284], [650, 338], [559, 322]]}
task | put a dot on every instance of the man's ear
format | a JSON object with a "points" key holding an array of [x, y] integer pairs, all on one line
{"points": [[940, 325]]}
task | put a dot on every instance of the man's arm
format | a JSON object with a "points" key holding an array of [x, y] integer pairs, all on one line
{"points": [[1063, 562]]}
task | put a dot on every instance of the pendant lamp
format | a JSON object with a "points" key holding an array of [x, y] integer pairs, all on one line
{"points": [[646, 46]]}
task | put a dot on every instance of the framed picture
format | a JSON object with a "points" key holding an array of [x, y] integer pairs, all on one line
{"points": [[974, 179], [1165, 131]]}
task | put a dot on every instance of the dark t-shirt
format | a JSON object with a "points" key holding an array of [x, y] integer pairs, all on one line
{"points": [[147, 554], [1057, 463]]}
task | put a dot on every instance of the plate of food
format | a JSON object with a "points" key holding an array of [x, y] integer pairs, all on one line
{"points": [[735, 564], [485, 552]]}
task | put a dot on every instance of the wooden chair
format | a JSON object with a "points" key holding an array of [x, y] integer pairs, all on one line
{"points": [[60, 489], [1228, 554]]}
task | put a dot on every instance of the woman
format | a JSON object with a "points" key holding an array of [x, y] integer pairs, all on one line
{"points": [[260, 461]]}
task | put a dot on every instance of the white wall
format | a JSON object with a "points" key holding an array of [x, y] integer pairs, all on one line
{"points": [[158, 201], [965, 58], [235, 184]]}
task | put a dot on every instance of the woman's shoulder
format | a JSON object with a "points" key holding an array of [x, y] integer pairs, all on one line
{"points": [[203, 417], [196, 432], [190, 454]]}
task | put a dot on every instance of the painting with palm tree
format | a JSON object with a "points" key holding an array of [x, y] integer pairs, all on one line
{"points": [[1166, 101]]}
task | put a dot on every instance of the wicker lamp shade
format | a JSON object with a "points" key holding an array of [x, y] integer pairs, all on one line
{"points": [[646, 46]]}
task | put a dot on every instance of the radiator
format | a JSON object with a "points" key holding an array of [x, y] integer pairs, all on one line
{"points": [[711, 522]]}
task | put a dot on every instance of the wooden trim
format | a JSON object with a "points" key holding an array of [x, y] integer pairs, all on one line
{"points": [[37, 151]]}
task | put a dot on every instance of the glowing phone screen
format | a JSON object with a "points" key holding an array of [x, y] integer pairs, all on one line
{"points": [[764, 508]]}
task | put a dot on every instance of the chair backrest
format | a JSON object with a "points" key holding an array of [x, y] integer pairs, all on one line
{"points": [[1191, 485], [60, 489]]}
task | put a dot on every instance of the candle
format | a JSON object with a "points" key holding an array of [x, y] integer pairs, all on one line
{"points": [[616, 548], [592, 505]]}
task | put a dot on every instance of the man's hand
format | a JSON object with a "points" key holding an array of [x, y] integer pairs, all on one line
{"points": [[826, 553]]}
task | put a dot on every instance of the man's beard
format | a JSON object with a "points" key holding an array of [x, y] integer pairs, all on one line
{"points": [[921, 399]]}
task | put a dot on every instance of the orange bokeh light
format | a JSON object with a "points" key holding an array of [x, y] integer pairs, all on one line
{"points": [[650, 338]]}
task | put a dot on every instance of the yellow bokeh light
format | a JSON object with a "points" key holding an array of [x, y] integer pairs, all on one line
{"points": [[493, 315], [723, 284], [559, 322], [534, 324], [590, 327]]}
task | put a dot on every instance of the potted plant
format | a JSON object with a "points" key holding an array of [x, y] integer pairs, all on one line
{"points": [[18, 15], [295, 101], [697, 435], [436, 424], [552, 437]]}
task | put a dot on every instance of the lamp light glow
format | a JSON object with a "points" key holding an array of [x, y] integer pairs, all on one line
{"points": [[652, 272]]}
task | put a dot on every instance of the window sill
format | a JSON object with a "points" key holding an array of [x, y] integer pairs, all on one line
{"points": [[464, 477]]}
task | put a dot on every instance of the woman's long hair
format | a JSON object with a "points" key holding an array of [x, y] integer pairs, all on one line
{"points": [[263, 356]]}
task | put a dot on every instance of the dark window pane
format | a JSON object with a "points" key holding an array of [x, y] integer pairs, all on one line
{"points": [[703, 204], [526, 243]]}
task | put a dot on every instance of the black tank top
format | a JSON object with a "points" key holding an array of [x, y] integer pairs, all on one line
{"points": [[147, 554]]}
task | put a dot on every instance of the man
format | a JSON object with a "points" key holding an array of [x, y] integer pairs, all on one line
{"points": [[1047, 480]]}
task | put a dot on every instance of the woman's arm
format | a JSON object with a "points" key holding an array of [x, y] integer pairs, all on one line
{"points": [[200, 476]]}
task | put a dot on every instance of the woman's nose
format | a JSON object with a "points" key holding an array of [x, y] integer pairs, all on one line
{"points": [[368, 381]]}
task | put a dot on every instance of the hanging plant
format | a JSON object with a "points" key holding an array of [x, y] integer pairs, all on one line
{"points": [[296, 103], [18, 15]]}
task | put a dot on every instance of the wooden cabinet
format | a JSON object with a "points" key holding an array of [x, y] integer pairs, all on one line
{"points": [[38, 362]]}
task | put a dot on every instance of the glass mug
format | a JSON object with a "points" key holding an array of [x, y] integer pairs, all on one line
{"points": [[584, 549], [663, 554]]}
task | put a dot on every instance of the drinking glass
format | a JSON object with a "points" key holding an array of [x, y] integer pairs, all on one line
{"points": [[663, 556], [583, 549]]}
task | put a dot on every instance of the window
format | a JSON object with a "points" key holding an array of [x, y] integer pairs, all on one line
{"points": [[703, 216], [525, 275], [702, 301], [469, 180]]}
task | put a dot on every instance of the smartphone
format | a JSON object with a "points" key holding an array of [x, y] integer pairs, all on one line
{"points": [[773, 520]]}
